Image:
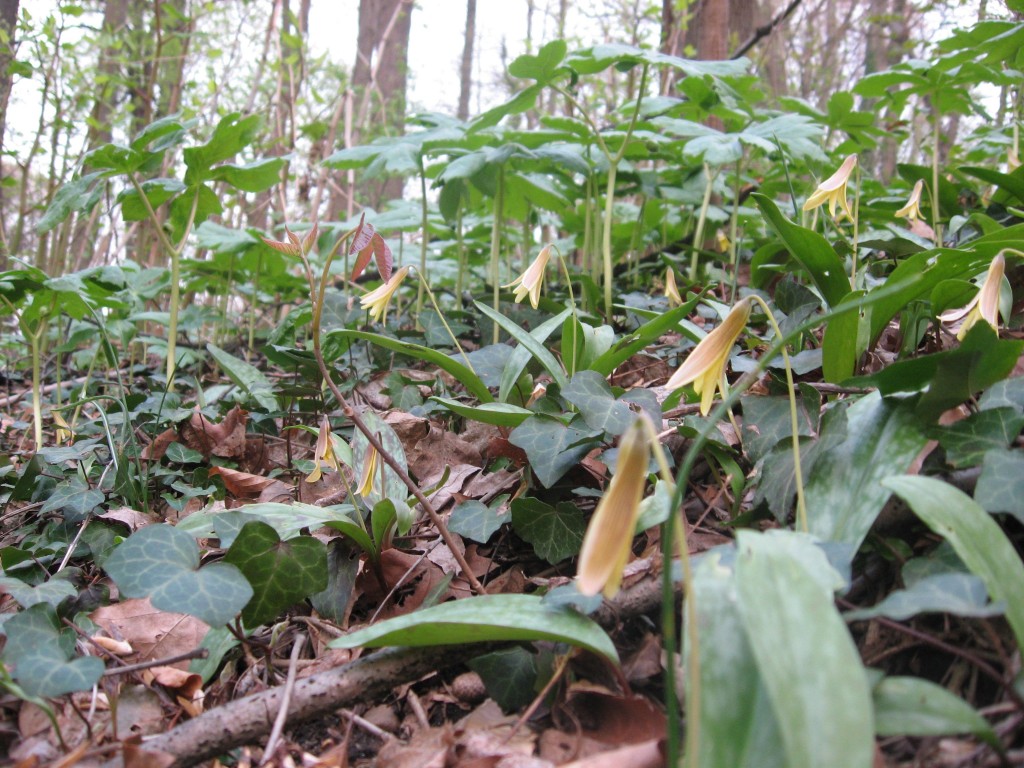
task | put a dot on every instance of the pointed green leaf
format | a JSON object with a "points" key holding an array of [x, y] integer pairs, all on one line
{"points": [[529, 341], [498, 414], [250, 378], [40, 653], [482, 619], [911, 706], [475, 520]]}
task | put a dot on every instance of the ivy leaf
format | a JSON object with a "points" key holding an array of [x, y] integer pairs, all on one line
{"points": [[475, 520], [1000, 487], [552, 447], [281, 573], [52, 592], [589, 392], [162, 563], [509, 675], [555, 532], [483, 619], [967, 441], [41, 654]]}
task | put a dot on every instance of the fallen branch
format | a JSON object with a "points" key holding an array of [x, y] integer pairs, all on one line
{"points": [[247, 720]]}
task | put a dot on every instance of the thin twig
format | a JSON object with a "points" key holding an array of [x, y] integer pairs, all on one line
{"points": [[286, 697]]}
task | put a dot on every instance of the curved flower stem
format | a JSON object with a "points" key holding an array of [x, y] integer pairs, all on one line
{"points": [[357, 421], [499, 207], [575, 316], [856, 221], [936, 226], [794, 423], [425, 286]]}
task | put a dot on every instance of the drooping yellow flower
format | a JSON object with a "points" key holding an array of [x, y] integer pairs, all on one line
{"points": [[530, 282], [985, 306], [671, 289], [705, 367], [912, 210], [378, 300], [833, 189], [609, 536], [369, 470], [324, 452]]}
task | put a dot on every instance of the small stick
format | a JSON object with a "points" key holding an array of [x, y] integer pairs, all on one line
{"points": [[286, 697]]}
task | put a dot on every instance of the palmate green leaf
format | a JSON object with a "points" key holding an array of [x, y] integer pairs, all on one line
{"points": [[463, 374], [967, 441], [844, 495], [1000, 487], [812, 251], [232, 134], [542, 67], [475, 520], [553, 447], [911, 706], [157, 192], [793, 626], [250, 378], [281, 573], [529, 341], [482, 619], [738, 724], [555, 532], [976, 537], [498, 414], [251, 177], [53, 592], [40, 654], [162, 563]]}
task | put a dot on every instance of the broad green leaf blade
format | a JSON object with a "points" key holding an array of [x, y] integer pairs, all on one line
{"points": [[844, 494], [520, 357], [840, 346], [792, 626], [468, 379], [247, 376], [738, 724], [543, 356], [482, 619], [1001, 485], [976, 537], [160, 562], [281, 573], [961, 594], [474, 520], [910, 706], [811, 250], [555, 532], [498, 414]]}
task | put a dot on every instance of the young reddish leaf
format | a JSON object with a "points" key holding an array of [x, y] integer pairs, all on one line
{"points": [[382, 253], [362, 245]]}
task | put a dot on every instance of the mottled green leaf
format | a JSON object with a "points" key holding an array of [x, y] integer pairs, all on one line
{"points": [[483, 619], [911, 706], [844, 494], [793, 626], [766, 421], [976, 537], [589, 392], [960, 594], [555, 532], [40, 653], [162, 563], [281, 573], [1000, 486], [247, 376], [52, 592]]}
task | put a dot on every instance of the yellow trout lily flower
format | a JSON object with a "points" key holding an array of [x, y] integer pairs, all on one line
{"points": [[369, 470], [985, 306], [671, 289], [705, 367], [378, 300], [912, 210], [833, 189], [530, 282], [324, 452], [609, 536]]}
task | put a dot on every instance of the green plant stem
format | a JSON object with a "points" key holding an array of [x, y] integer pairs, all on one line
{"points": [[794, 422], [460, 241], [499, 207], [856, 222], [668, 630], [424, 238], [734, 230], [698, 233], [575, 316], [425, 285], [936, 226]]}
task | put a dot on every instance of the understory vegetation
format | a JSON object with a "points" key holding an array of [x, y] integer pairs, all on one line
{"points": [[672, 430]]}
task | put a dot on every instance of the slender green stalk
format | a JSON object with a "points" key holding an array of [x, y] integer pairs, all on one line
{"points": [[936, 225], [460, 241], [698, 233], [856, 222], [734, 230], [425, 285], [575, 315], [499, 208], [424, 239]]}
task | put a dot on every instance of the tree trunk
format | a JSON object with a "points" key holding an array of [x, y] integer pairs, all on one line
{"points": [[885, 40], [8, 27], [466, 69], [380, 78]]}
